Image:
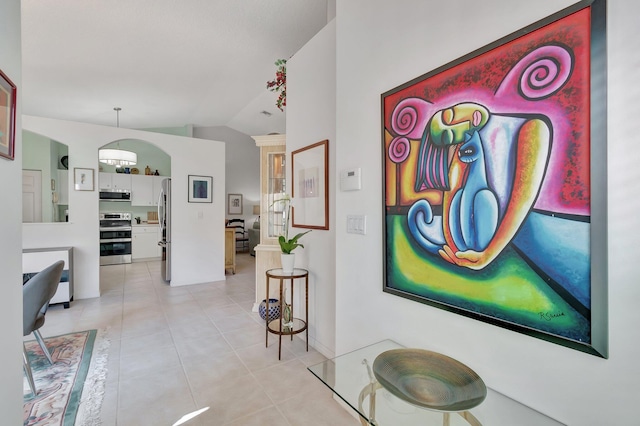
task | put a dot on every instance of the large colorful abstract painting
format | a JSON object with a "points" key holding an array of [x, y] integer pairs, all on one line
{"points": [[490, 178]]}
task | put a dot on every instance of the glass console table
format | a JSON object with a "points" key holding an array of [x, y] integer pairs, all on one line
{"points": [[349, 377]]}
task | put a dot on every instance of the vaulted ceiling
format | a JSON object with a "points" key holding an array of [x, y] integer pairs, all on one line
{"points": [[166, 63]]}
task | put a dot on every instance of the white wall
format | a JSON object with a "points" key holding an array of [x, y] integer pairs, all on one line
{"points": [[311, 102], [198, 234], [382, 44], [242, 167], [10, 230]]}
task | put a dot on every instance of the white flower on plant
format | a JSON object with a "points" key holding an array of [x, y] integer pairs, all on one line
{"points": [[287, 245]]}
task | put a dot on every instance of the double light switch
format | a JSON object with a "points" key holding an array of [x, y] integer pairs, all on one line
{"points": [[356, 224]]}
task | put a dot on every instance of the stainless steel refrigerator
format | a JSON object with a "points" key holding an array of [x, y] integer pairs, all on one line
{"points": [[164, 219]]}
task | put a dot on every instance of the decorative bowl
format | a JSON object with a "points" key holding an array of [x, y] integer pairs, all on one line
{"points": [[429, 379], [274, 309]]}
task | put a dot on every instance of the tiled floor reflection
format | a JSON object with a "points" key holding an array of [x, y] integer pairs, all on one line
{"points": [[175, 350]]}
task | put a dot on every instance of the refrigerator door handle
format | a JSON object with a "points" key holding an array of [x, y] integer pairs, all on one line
{"points": [[160, 217]]}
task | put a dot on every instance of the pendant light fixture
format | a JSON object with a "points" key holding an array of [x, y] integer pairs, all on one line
{"points": [[117, 157]]}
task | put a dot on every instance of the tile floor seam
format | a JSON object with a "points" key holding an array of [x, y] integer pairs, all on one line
{"points": [[135, 292], [251, 373], [184, 370], [117, 399]]}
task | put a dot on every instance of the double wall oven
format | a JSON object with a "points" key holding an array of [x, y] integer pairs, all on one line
{"points": [[115, 238]]}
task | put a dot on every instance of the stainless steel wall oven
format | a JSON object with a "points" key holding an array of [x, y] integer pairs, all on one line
{"points": [[115, 238]]}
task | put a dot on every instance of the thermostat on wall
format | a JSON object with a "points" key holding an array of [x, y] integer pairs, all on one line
{"points": [[350, 179]]}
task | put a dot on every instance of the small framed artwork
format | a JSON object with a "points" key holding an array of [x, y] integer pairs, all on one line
{"points": [[83, 179], [200, 189], [234, 204], [7, 117], [309, 168]]}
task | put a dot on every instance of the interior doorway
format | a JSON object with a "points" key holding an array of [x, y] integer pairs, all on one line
{"points": [[31, 196]]}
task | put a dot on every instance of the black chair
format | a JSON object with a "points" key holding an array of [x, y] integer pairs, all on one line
{"points": [[36, 295], [242, 237], [254, 237]]}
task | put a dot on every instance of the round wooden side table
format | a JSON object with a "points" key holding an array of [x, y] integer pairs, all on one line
{"points": [[298, 325]]}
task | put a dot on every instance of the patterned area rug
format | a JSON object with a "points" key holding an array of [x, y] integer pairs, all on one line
{"points": [[70, 391]]}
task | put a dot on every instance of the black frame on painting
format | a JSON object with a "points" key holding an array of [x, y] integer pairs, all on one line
{"points": [[198, 198], [597, 313]]}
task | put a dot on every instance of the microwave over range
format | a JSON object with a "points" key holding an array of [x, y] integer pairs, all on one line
{"points": [[115, 195]]}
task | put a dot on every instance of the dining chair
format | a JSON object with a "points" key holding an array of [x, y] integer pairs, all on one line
{"points": [[36, 295], [242, 237]]}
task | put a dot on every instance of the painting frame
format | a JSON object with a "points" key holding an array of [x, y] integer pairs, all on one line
{"points": [[407, 155], [83, 179], [200, 189], [310, 187], [234, 204], [8, 92]]}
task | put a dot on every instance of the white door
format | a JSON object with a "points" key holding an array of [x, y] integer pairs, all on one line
{"points": [[31, 196]]}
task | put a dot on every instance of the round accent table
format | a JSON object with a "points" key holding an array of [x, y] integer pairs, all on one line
{"points": [[298, 325]]}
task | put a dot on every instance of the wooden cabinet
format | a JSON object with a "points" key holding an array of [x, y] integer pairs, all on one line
{"points": [[144, 242], [276, 190], [35, 260], [115, 181], [230, 249], [272, 187], [145, 190]]}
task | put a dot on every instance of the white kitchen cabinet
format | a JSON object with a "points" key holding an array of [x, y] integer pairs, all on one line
{"points": [[115, 181], [142, 190], [105, 180], [144, 244], [63, 187], [145, 190]]}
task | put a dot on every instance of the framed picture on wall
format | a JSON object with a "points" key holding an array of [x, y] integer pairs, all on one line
{"points": [[7, 117], [309, 168], [234, 204], [494, 188], [83, 179], [200, 189]]}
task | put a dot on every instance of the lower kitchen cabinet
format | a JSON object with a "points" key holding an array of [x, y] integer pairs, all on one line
{"points": [[144, 242]]}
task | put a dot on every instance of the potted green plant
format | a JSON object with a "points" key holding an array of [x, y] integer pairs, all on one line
{"points": [[287, 258], [287, 245]]}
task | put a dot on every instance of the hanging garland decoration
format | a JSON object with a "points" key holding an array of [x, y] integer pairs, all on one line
{"points": [[280, 83]]}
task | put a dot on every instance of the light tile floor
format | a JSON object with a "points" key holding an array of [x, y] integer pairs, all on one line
{"points": [[175, 350]]}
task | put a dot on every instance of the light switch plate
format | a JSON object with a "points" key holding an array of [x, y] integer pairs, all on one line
{"points": [[356, 224]]}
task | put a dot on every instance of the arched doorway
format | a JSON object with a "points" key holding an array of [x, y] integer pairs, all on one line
{"points": [[130, 194]]}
